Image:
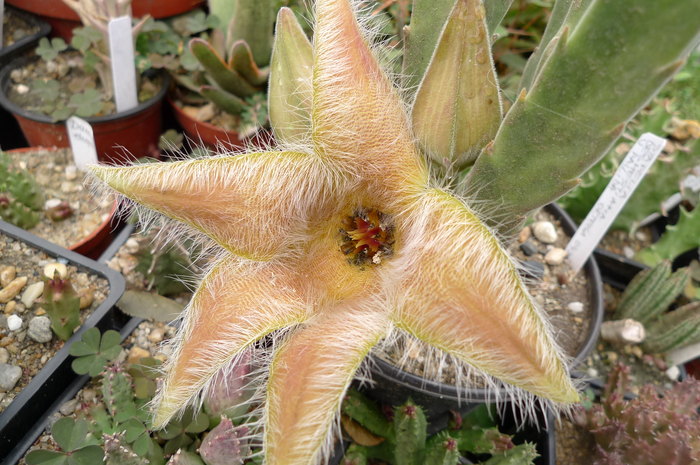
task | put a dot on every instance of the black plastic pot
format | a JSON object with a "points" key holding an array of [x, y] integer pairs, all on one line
{"points": [[25, 418], [393, 386], [26, 43], [11, 136]]}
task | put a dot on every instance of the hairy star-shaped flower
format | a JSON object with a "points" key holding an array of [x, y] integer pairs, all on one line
{"points": [[344, 240]]}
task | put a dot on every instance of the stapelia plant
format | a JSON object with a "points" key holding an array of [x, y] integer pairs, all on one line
{"points": [[339, 234]]}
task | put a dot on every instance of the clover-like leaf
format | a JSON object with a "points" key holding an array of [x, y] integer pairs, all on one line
{"points": [[85, 37], [94, 351], [46, 457], [49, 50], [179, 433], [87, 103], [45, 90]]}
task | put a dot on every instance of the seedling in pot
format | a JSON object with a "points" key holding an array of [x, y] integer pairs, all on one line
{"points": [[62, 305], [21, 198]]}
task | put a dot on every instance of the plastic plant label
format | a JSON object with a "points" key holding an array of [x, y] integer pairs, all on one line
{"points": [[82, 142], [121, 53], [621, 186]]}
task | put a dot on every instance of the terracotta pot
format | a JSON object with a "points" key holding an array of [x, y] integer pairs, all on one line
{"points": [[119, 138], [215, 137], [63, 20], [96, 242]]}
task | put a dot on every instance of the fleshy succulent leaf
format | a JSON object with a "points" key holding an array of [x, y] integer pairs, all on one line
{"points": [[225, 77], [565, 106], [241, 59], [677, 239]]}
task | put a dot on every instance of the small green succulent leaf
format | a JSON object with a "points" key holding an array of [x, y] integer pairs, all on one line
{"points": [[87, 103], [241, 59], [226, 101], [149, 306], [677, 239], [45, 90], [225, 77], [46, 457], [95, 351], [85, 37], [457, 109], [49, 50], [89, 455], [289, 91], [70, 434], [198, 423]]}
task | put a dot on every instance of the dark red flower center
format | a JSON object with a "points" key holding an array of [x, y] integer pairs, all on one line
{"points": [[366, 237]]}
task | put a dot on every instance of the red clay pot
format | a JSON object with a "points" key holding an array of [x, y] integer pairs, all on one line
{"points": [[97, 242], [63, 20], [119, 138], [215, 137]]}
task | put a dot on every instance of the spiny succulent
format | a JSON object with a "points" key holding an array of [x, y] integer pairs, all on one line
{"points": [[62, 305], [647, 299], [403, 440], [425, 264], [678, 238], [21, 198], [650, 429]]}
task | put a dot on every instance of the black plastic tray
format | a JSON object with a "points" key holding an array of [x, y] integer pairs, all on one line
{"points": [[21, 46], [25, 418]]}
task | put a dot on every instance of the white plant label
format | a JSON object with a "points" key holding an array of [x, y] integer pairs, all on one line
{"points": [[624, 182], [121, 53], [2, 16], [82, 142]]}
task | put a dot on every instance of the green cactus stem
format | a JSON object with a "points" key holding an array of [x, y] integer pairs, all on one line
{"points": [[651, 292], [62, 305], [21, 198], [410, 434], [598, 74], [673, 330]]}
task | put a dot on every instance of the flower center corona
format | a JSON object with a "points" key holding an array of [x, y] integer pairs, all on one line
{"points": [[366, 237]]}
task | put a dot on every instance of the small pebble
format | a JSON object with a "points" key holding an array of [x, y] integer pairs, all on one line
{"points": [[40, 329], [532, 269], [136, 354], [628, 251], [673, 373], [4, 355], [68, 407], [52, 203], [31, 293], [71, 172], [528, 248], [545, 232], [21, 89], [9, 375], [156, 335], [637, 351], [612, 357], [576, 307], [87, 296], [525, 234], [51, 268], [7, 274], [592, 372], [10, 307], [132, 245], [14, 322], [12, 289], [555, 256]]}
